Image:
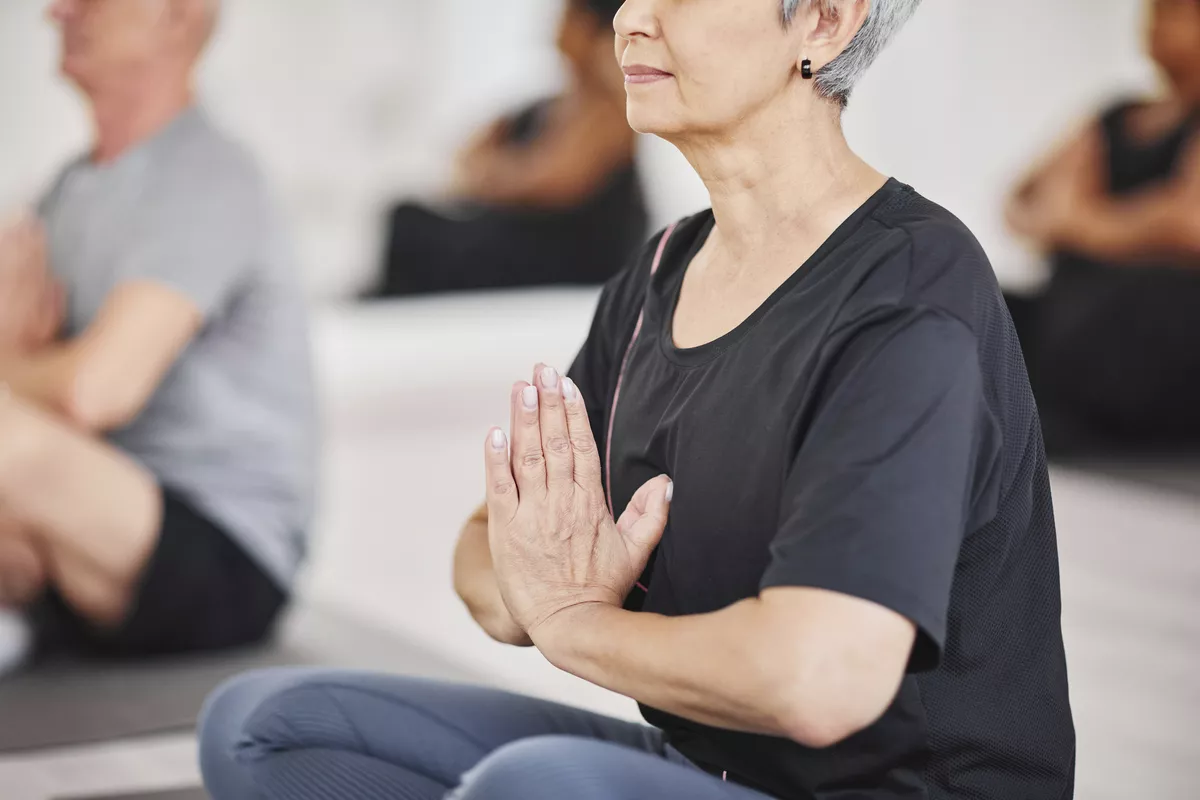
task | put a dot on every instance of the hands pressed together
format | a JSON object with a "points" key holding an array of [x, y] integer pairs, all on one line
{"points": [[554, 543]]}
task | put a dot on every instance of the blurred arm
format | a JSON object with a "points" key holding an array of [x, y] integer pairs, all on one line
{"points": [[1055, 165], [103, 378], [561, 168], [1073, 174], [1159, 223], [475, 583]]}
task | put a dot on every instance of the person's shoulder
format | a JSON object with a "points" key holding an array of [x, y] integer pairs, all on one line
{"points": [[937, 261], [932, 228], [48, 200], [201, 155]]}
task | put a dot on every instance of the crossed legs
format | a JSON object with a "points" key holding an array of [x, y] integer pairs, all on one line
{"points": [[75, 514]]}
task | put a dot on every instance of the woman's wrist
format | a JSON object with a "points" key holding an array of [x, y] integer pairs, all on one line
{"points": [[565, 638]]}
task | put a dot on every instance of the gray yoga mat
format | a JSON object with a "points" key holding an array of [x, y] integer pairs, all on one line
{"points": [[85, 703], [1175, 474], [182, 794]]}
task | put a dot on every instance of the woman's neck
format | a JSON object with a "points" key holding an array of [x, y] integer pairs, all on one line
{"points": [[132, 112], [780, 183]]}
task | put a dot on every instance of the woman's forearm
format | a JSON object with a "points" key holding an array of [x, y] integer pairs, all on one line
{"points": [[475, 583], [1157, 225], [804, 664], [707, 668]]}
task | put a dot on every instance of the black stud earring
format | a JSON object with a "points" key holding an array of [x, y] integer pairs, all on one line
{"points": [[806, 69]]}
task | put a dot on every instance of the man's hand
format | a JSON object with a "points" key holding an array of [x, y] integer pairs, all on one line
{"points": [[31, 301], [554, 543]]}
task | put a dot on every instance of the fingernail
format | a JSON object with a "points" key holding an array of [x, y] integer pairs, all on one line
{"points": [[550, 377], [569, 390], [670, 490], [529, 398], [499, 441]]}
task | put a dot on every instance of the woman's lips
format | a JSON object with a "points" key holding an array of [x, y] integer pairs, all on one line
{"points": [[640, 73]]}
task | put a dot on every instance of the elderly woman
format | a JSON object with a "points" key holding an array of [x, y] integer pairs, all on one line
{"points": [[832, 571]]}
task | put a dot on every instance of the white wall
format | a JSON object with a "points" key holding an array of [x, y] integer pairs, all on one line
{"points": [[349, 102]]}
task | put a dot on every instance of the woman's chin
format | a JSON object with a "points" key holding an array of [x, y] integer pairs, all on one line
{"points": [[653, 121]]}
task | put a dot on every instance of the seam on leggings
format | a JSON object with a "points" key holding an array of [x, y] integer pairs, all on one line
{"points": [[392, 700], [362, 743], [268, 794], [240, 754], [274, 793], [242, 746]]}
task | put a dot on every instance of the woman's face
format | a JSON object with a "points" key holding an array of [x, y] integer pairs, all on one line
{"points": [[701, 66], [1175, 38]]}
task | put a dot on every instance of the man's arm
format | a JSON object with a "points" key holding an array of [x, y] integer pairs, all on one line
{"points": [[811, 665], [475, 583], [103, 378]]}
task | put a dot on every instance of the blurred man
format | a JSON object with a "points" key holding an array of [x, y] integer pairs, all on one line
{"points": [[1112, 342], [156, 431]]}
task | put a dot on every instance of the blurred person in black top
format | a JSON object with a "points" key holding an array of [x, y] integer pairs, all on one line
{"points": [[791, 497], [548, 195], [1112, 339]]}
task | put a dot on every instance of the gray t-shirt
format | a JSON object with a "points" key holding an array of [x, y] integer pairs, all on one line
{"points": [[232, 426]]}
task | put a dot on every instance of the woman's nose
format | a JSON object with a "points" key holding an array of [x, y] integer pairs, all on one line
{"points": [[637, 18]]}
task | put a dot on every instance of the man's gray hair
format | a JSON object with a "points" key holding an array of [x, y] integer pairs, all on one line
{"points": [[884, 19]]}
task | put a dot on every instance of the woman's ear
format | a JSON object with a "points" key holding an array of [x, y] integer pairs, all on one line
{"points": [[833, 25]]}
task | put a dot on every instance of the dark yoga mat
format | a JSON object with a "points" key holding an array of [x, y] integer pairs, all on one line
{"points": [[83, 703]]}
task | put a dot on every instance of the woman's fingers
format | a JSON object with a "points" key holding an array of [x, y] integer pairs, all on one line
{"points": [[529, 462], [515, 404], [501, 488], [585, 448], [645, 517], [556, 441]]}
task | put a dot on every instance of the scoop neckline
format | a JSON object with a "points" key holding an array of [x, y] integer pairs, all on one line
{"points": [[694, 356]]}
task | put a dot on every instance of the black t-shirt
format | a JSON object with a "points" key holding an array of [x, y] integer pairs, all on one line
{"points": [[868, 430]]}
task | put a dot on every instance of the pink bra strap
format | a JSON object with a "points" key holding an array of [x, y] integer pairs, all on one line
{"points": [[612, 410]]}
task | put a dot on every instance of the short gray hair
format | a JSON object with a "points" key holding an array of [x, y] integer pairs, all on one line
{"points": [[884, 19]]}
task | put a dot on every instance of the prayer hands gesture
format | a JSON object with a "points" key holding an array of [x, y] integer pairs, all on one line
{"points": [[554, 543]]}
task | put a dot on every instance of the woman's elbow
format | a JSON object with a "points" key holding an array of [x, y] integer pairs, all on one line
{"points": [[830, 708], [823, 727]]}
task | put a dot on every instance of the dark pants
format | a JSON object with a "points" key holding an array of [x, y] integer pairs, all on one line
{"points": [[310, 735], [1113, 361], [199, 592]]}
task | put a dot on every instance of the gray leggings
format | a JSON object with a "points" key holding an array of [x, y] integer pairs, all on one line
{"points": [[299, 734]]}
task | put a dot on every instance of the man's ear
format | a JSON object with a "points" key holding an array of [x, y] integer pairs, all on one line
{"points": [[833, 26]]}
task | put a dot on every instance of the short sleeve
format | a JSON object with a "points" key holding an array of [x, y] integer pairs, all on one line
{"points": [[196, 231], [882, 490]]}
